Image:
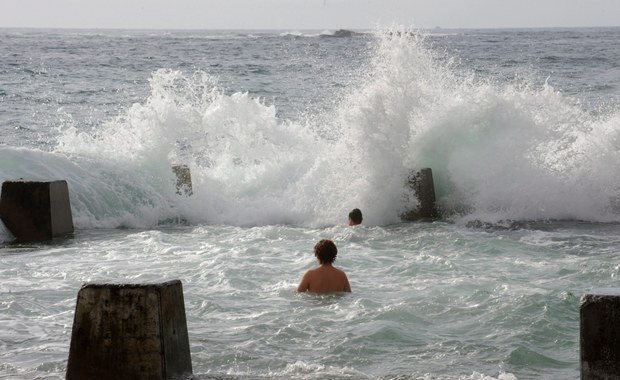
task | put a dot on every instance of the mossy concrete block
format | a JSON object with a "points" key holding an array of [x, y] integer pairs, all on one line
{"points": [[129, 331], [183, 179], [423, 187], [600, 335], [36, 211]]}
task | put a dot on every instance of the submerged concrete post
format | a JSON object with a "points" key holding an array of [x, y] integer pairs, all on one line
{"points": [[600, 335], [421, 182], [36, 211], [183, 179], [129, 331]]}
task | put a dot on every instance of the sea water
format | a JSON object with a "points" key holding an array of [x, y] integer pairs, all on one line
{"points": [[284, 133]]}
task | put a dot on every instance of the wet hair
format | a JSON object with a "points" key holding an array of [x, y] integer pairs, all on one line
{"points": [[356, 216], [325, 250]]}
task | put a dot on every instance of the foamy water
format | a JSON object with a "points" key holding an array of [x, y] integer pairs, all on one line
{"points": [[429, 300]]}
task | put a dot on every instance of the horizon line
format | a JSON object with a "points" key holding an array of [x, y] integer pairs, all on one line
{"points": [[302, 29]]}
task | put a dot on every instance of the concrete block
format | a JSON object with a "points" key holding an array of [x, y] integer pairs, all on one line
{"points": [[183, 179], [129, 331], [421, 183], [600, 335], [36, 211]]}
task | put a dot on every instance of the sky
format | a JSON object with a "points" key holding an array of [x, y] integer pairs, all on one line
{"points": [[306, 14]]}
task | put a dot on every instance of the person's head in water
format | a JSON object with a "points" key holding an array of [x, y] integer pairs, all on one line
{"points": [[355, 217], [325, 251]]}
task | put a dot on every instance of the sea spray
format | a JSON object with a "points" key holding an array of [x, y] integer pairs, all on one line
{"points": [[499, 150], [102, 194], [241, 156], [381, 116], [518, 153]]}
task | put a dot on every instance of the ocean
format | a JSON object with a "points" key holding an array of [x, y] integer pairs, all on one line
{"points": [[284, 133]]}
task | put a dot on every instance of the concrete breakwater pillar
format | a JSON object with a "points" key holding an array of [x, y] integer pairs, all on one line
{"points": [[600, 335], [36, 211], [183, 179], [421, 182], [129, 331]]}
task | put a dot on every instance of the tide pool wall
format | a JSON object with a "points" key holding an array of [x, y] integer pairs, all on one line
{"points": [[36, 211], [423, 187], [600, 334], [129, 331]]}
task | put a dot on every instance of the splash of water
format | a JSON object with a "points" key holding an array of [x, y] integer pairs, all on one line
{"points": [[498, 150]]}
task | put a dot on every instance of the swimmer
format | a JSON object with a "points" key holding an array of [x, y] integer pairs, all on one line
{"points": [[325, 278], [355, 217]]}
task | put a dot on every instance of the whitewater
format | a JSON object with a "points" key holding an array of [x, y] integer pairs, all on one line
{"points": [[285, 133]]}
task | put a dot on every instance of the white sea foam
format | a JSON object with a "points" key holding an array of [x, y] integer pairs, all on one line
{"points": [[498, 150]]}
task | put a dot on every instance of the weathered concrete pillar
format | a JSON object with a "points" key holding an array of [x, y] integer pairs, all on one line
{"points": [[129, 331], [36, 211], [421, 182], [600, 335], [183, 179]]}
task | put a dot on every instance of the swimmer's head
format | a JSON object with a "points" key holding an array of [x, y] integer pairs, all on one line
{"points": [[325, 251], [355, 217]]}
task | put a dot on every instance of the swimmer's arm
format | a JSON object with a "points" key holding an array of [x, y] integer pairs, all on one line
{"points": [[347, 287], [304, 285]]}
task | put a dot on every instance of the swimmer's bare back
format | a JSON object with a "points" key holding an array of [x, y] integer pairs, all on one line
{"points": [[324, 279]]}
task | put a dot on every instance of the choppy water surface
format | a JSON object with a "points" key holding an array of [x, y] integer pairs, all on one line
{"points": [[430, 300]]}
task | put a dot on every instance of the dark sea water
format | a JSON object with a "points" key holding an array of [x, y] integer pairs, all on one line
{"points": [[285, 132]]}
